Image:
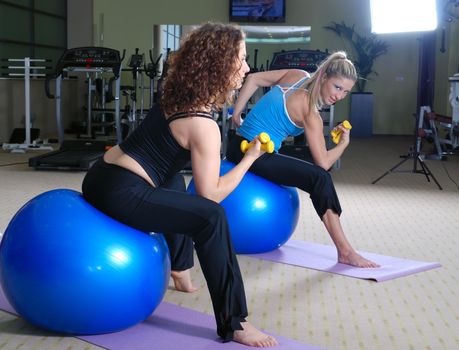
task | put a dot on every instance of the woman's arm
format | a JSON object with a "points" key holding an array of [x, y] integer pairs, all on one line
{"points": [[204, 143], [313, 128], [262, 79]]}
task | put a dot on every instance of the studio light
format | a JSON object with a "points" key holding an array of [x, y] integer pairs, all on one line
{"points": [[398, 16], [402, 16]]}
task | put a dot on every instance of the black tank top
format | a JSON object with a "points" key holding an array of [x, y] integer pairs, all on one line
{"points": [[154, 147]]}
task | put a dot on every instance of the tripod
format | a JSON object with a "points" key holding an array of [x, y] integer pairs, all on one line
{"points": [[425, 94], [414, 154]]}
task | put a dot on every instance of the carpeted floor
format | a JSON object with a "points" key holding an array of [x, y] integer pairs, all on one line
{"points": [[402, 215]]}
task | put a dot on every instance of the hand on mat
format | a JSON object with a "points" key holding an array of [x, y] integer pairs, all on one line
{"points": [[355, 259], [182, 281]]}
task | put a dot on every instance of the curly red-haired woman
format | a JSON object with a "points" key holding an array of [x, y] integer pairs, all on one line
{"points": [[138, 181]]}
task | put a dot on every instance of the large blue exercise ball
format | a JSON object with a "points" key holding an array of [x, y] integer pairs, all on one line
{"points": [[69, 268], [262, 215]]}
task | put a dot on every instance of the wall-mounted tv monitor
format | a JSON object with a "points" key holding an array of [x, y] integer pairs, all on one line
{"points": [[263, 11]]}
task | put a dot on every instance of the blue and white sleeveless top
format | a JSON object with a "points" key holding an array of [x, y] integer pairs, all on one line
{"points": [[270, 115]]}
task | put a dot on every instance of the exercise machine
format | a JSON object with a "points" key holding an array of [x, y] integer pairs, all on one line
{"points": [[448, 126], [102, 117], [132, 117], [152, 71], [80, 154], [27, 70], [307, 60]]}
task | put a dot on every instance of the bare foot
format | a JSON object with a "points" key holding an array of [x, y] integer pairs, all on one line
{"points": [[253, 337], [182, 281], [355, 259]]}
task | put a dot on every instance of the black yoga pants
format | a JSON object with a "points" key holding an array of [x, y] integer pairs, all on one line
{"points": [[184, 219], [293, 172]]}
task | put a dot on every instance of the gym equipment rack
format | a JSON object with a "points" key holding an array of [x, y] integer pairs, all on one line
{"points": [[80, 154]]}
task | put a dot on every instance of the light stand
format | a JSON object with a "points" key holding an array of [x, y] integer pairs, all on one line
{"points": [[425, 93], [415, 155]]}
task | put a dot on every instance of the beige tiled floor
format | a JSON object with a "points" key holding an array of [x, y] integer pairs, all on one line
{"points": [[403, 215]]}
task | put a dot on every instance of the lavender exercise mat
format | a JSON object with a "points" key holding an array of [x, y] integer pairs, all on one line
{"points": [[170, 327], [324, 258]]}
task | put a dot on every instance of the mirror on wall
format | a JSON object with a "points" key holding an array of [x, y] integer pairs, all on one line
{"points": [[262, 41], [278, 34]]}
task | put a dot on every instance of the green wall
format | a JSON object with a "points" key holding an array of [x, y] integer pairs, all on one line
{"points": [[127, 25]]}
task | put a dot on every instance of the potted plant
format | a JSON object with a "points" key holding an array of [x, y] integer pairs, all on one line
{"points": [[363, 51]]}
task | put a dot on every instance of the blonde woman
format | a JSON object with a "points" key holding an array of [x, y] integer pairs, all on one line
{"points": [[291, 107]]}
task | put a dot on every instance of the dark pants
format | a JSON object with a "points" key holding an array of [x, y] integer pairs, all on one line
{"points": [[184, 219], [293, 172]]}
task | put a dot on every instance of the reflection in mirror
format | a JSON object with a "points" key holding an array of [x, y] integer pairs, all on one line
{"points": [[277, 34], [262, 41]]}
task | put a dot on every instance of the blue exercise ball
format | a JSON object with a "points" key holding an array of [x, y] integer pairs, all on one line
{"points": [[69, 268], [262, 215]]}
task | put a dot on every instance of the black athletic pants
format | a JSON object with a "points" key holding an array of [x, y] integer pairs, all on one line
{"points": [[293, 172], [130, 199]]}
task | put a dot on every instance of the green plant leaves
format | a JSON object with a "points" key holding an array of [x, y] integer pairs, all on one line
{"points": [[363, 50]]}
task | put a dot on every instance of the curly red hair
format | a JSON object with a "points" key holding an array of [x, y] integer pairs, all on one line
{"points": [[201, 72]]}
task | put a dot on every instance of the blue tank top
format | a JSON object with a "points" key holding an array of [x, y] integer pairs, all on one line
{"points": [[270, 115]]}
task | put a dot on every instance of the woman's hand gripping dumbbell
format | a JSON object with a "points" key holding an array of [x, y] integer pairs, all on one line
{"points": [[266, 144]]}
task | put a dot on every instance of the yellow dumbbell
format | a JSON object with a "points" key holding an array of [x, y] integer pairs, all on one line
{"points": [[266, 144], [336, 133]]}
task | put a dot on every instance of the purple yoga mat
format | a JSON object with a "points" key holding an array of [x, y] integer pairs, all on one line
{"points": [[170, 327], [324, 258]]}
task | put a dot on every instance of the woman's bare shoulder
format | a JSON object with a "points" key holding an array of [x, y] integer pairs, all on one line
{"points": [[294, 75]]}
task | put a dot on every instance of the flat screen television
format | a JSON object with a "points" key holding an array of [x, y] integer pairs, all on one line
{"points": [[259, 11]]}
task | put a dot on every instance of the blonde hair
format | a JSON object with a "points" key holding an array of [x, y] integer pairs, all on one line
{"points": [[335, 65]]}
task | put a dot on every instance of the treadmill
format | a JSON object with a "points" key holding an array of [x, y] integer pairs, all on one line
{"points": [[80, 154]]}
